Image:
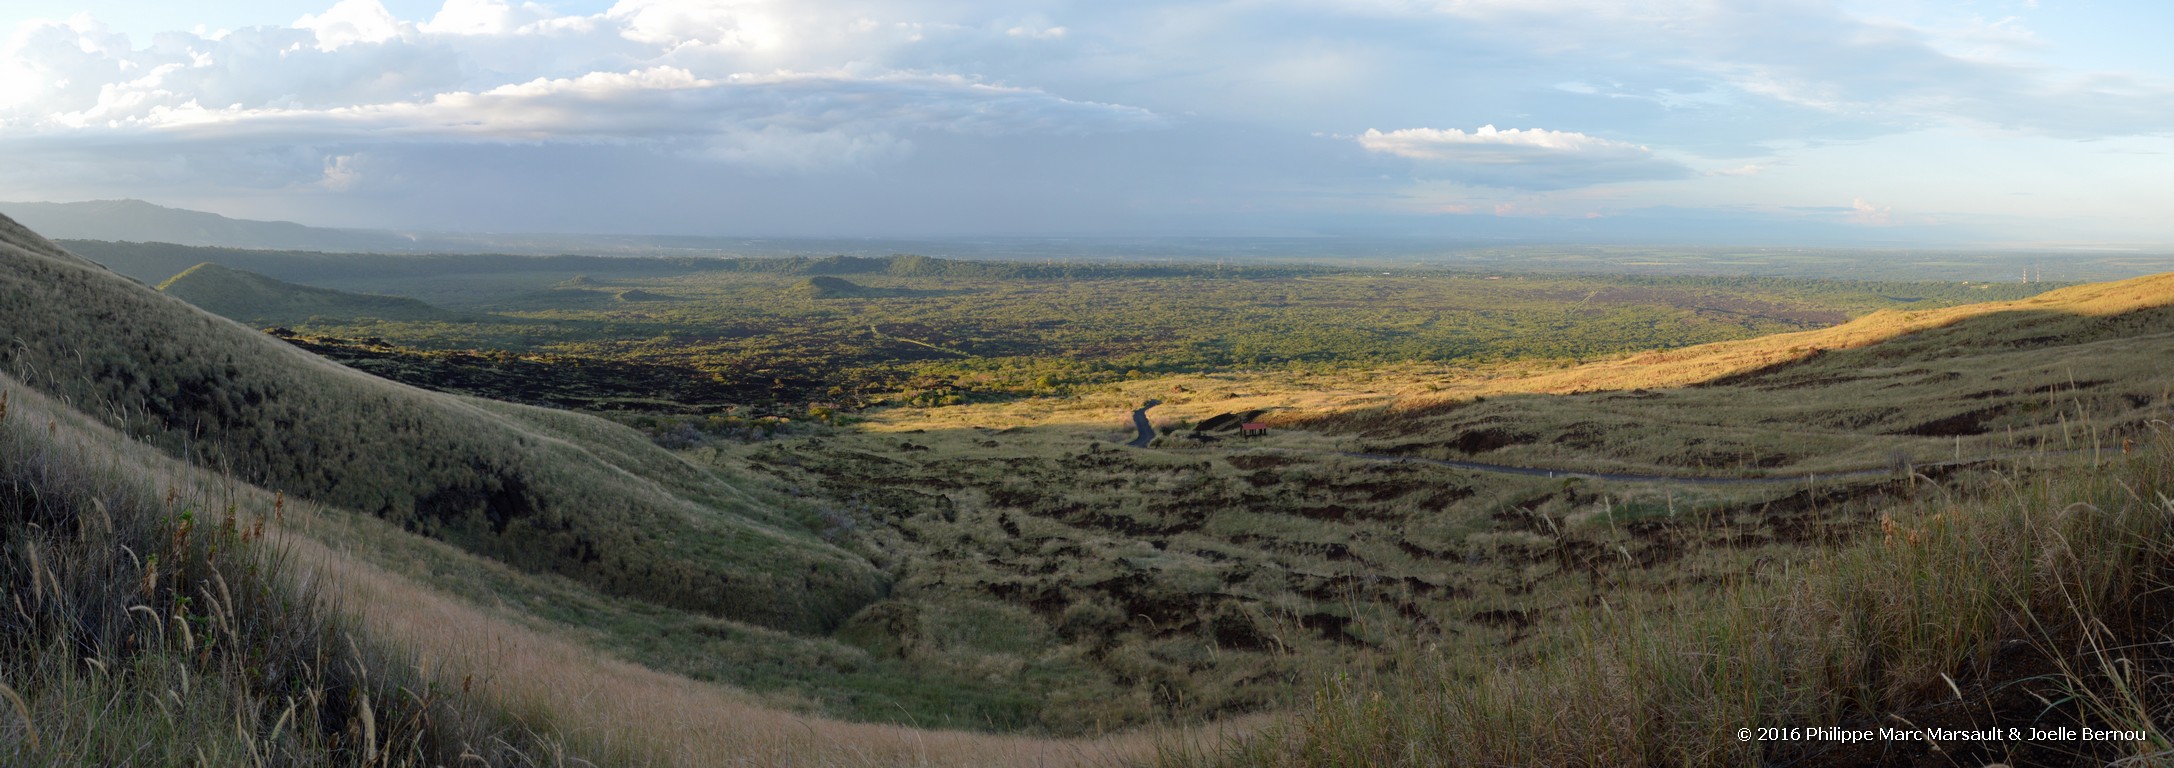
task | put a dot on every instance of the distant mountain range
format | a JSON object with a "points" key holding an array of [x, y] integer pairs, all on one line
{"points": [[1654, 240], [139, 221], [142, 222], [136, 221]]}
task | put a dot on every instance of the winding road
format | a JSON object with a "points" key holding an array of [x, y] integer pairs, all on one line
{"points": [[1139, 422]]}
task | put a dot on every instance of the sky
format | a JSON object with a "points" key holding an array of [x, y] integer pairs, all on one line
{"points": [[1999, 122]]}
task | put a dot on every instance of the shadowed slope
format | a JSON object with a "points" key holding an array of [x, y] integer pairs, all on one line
{"points": [[543, 490], [254, 298]]}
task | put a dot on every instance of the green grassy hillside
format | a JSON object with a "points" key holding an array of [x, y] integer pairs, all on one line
{"points": [[543, 490], [254, 298]]}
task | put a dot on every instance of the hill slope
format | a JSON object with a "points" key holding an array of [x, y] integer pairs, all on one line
{"points": [[112, 551], [1965, 381], [296, 608], [2014, 587], [254, 298], [543, 490]]}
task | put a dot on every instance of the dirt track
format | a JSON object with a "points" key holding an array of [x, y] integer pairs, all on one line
{"points": [[1139, 422]]}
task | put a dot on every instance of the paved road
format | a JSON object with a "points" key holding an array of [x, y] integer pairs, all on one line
{"points": [[1139, 422]]}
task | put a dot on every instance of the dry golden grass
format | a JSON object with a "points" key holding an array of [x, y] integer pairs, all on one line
{"points": [[1977, 385], [2075, 368], [1105, 415], [1205, 579], [1708, 362], [1023, 483]]}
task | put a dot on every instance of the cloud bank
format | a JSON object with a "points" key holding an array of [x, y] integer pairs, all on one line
{"points": [[355, 74], [1528, 158]]}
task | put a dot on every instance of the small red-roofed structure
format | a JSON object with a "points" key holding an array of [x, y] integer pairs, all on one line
{"points": [[1253, 429]]}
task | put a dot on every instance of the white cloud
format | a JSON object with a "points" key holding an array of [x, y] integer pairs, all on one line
{"points": [[1529, 158], [1455, 144], [729, 24], [1037, 33], [484, 17], [18, 84], [354, 21], [1871, 214]]}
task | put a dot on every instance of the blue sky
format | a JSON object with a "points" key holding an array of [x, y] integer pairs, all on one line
{"points": [[1972, 123]]}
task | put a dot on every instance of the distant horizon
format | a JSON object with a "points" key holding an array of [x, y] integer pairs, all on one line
{"points": [[1430, 239], [91, 228]]}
